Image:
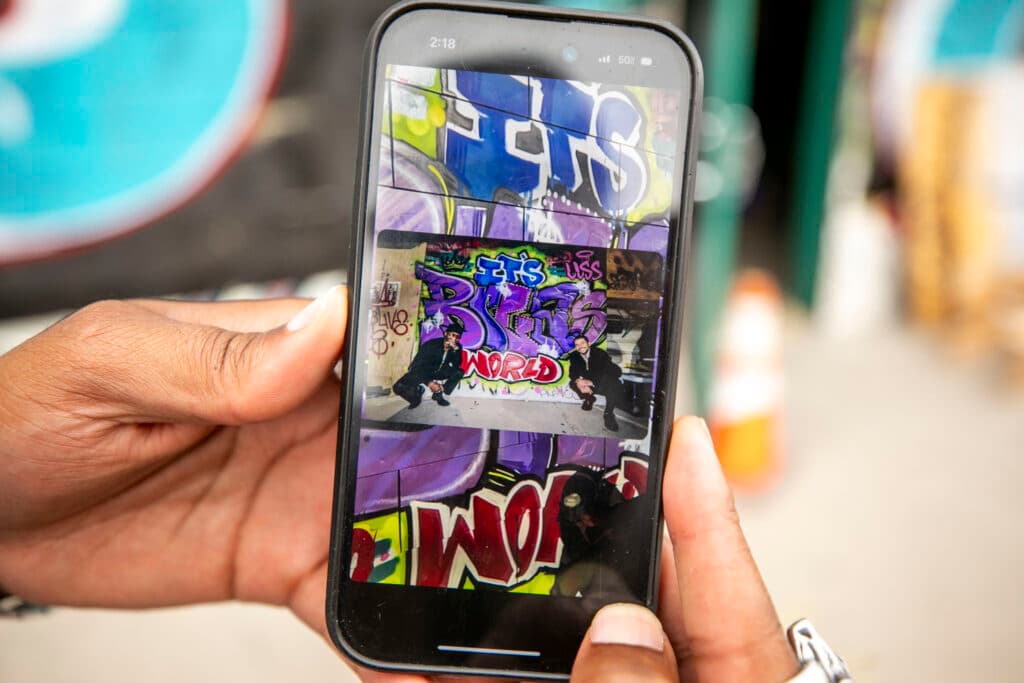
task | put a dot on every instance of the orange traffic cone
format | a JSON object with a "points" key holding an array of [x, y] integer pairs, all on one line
{"points": [[745, 411]]}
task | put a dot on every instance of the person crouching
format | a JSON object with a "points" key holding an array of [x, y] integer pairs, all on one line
{"points": [[592, 372], [437, 366]]}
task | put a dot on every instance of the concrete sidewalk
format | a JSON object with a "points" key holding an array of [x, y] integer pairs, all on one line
{"points": [[549, 417]]}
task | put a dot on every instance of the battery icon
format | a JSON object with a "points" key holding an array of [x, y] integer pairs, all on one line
{"points": [[646, 61]]}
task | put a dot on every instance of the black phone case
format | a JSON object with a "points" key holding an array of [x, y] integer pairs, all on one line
{"points": [[673, 316]]}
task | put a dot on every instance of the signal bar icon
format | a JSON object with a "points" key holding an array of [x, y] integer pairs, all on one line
{"points": [[607, 59]]}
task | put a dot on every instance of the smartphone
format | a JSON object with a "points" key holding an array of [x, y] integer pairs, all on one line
{"points": [[517, 270]]}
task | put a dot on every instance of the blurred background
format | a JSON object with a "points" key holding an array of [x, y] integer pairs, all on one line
{"points": [[855, 329]]}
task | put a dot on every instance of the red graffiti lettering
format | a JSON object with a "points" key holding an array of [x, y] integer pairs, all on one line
{"points": [[630, 478], [583, 268], [509, 366], [635, 472], [450, 541], [548, 553], [383, 324], [379, 342], [499, 539], [523, 525], [396, 321], [548, 370], [362, 554], [494, 364]]}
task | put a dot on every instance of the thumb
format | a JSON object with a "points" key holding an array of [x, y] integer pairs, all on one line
{"points": [[137, 364], [625, 643]]}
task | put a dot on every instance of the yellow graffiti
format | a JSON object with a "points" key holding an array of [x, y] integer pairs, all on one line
{"points": [[538, 585], [392, 527], [416, 113], [660, 169], [449, 203]]}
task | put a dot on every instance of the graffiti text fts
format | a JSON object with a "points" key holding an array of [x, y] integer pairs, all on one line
{"points": [[508, 269]]}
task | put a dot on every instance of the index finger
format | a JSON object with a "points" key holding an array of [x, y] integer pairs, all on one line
{"points": [[730, 627]]}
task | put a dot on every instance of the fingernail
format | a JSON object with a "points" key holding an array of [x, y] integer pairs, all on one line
{"points": [[309, 313], [625, 624], [707, 432], [696, 430]]}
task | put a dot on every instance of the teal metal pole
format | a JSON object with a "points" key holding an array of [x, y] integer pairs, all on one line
{"points": [[816, 126], [729, 62]]}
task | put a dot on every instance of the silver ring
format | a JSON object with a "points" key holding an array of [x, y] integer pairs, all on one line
{"points": [[811, 648]]}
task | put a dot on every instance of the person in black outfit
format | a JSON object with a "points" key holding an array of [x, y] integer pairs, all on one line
{"points": [[437, 366], [592, 372], [600, 533]]}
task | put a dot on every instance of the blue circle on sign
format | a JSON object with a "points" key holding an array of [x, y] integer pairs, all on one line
{"points": [[130, 122]]}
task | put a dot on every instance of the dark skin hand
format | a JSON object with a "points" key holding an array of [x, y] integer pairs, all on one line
{"points": [[158, 453]]}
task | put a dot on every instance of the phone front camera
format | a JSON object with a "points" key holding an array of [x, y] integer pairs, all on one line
{"points": [[570, 54]]}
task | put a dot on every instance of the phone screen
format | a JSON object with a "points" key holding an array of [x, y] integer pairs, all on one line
{"points": [[520, 233]]}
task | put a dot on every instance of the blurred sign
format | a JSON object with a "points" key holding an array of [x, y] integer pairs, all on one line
{"points": [[115, 112]]}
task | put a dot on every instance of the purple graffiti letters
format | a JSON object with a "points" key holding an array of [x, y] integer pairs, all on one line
{"points": [[511, 317], [588, 315], [565, 310], [449, 296]]}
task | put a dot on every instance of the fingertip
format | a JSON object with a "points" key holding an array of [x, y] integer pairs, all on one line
{"points": [[692, 452], [332, 304], [336, 302], [722, 600], [694, 483], [625, 642], [627, 624], [693, 430], [293, 359], [343, 294]]}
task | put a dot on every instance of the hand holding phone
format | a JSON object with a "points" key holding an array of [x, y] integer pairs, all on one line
{"points": [[718, 619], [519, 249], [721, 606]]}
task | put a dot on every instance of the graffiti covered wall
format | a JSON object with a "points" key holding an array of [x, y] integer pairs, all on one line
{"points": [[505, 532], [521, 306], [514, 157], [394, 308], [528, 211]]}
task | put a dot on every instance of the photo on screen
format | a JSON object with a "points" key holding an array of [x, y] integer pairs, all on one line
{"points": [[454, 507], [520, 157], [520, 231], [497, 334]]}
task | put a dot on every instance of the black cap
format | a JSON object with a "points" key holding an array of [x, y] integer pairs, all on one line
{"points": [[455, 326]]}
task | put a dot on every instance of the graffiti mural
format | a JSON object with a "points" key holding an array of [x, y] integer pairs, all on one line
{"points": [[394, 306], [506, 530], [520, 309], [521, 227], [525, 298], [515, 157]]}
